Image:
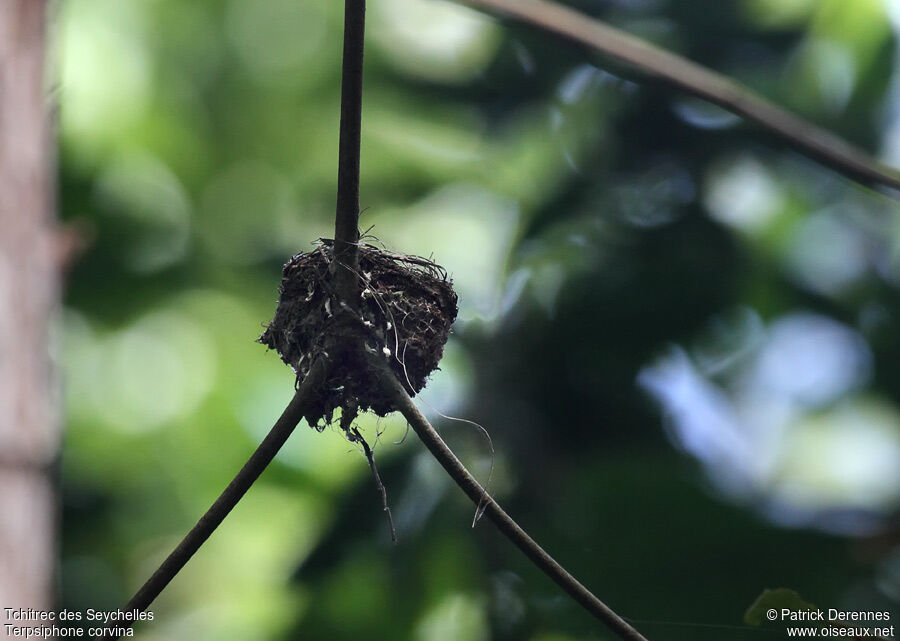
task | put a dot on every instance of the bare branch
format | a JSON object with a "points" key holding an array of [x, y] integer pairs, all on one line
{"points": [[214, 516], [346, 223], [501, 519], [699, 81]]}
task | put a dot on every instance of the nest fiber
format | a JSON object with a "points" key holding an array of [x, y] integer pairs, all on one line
{"points": [[406, 307]]}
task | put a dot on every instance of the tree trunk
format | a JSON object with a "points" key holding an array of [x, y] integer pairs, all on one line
{"points": [[29, 300]]}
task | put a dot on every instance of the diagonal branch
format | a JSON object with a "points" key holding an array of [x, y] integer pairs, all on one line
{"points": [[501, 519], [692, 78], [214, 516]]}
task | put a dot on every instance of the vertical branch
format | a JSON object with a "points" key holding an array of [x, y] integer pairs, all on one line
{"points": [[29, 298], [346, 220], [346, 223]]}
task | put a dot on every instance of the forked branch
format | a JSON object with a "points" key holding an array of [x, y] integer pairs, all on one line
{"points": [[697, 80], [346, 253]]}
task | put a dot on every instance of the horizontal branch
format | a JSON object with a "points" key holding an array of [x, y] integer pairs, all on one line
{"points": [[501, 519], [699, 81], [214, 516]]}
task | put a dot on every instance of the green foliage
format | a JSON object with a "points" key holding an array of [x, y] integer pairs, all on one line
{"points": [[777, 599], [607, 239]]}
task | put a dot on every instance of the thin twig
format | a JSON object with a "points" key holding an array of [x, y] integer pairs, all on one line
{"points": [[501, 519], [346, 222], [370, 456], [699, 81], [227, 500]]}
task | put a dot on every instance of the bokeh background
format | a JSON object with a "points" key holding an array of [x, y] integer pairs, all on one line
{"points": [[683, 338]]}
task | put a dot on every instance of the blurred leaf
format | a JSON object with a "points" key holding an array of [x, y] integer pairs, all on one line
{"points": [[777, 599]]}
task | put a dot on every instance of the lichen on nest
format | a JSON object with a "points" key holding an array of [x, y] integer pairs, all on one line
{"points": [[406, 307]]}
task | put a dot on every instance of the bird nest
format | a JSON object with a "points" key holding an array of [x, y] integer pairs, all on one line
{"points": [[406, 307]]}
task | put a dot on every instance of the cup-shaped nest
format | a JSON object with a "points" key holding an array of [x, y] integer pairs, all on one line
{"points": [[404, 313]]}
